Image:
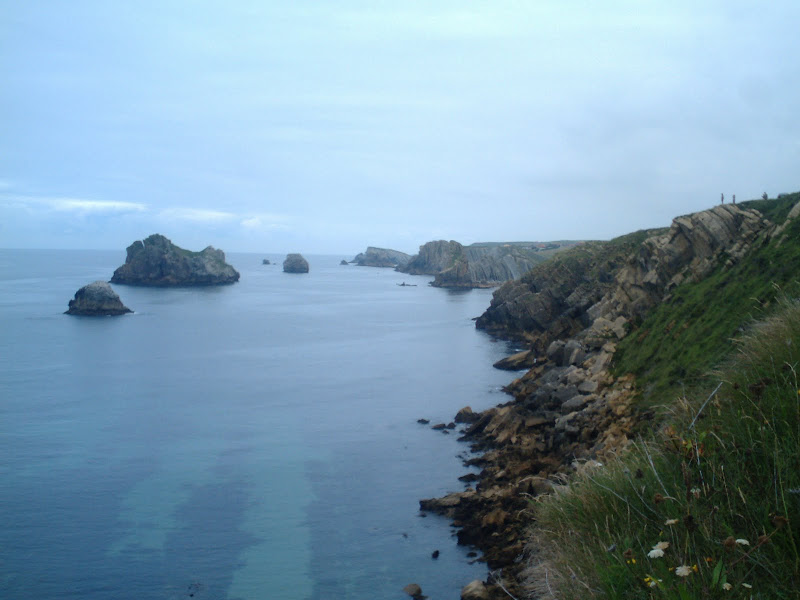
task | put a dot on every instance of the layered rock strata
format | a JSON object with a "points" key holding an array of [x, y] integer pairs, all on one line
{"points": [[97, 299], [568, 410], [156, 261]]}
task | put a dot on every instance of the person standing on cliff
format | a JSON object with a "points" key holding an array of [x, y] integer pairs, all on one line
{"points": [[734, 198], [722, 198]]}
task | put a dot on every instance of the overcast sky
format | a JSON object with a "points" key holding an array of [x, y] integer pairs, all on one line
{"points": [[324, 127]]}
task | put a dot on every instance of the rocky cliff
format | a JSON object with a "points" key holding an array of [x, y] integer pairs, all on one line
{"points": [[381, 257], [433, 258], [97, 299], [156, 261], [487, 266], [569, 408]]}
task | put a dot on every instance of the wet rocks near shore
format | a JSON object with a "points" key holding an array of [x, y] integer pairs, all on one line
{"points": [[568, 412], [97, 299], [156, 261], [295, 263]]}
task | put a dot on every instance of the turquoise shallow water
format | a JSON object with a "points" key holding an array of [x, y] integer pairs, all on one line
{"points": [[250, 441]]}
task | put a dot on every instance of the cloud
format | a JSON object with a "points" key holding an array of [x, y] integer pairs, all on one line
{"points": [[77, 205], [198, 215], [264, 221]]}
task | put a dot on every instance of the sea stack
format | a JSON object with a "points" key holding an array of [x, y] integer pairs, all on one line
{"points": [[156, 261], [97, 300], [295, 263]]}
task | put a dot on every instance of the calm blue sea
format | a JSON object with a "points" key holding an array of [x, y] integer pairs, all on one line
{"points": [[250, 441]]}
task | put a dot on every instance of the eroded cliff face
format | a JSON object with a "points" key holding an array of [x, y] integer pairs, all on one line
{"points": [[156, 261], [486, 266], [568, 408], [433, 258]]}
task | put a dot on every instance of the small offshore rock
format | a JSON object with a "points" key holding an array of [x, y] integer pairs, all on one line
{"points": [[438, 426], [344, 263], [413, 590], [435, 554], [423, 421], [156, 261], [465, 415], [97, 300], [266, 262], [295, 263]]}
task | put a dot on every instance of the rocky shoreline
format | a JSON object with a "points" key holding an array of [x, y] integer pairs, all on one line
{"points": [[568, 410]]}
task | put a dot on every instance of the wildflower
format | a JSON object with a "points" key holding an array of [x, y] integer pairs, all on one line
{"points": [[683, 571], [727, 586], [661, 546], [747, 585], [658, 499], [671, 522], [628, 554], [695, 492], [742, 542], [655, 553], [695, 569]]}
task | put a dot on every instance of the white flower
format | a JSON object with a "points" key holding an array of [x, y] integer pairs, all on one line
{"points": [[661, 546], [655, 553], [747, 585], [671, 522], [727, 586], [742, 542], [683, 571]]}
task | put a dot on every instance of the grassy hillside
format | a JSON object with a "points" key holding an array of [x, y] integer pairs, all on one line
{"points": [[676, 345], [707, 503]]}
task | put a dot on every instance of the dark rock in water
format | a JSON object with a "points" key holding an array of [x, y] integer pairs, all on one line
{"points": [[466, 415], [97, 299], [435, 554], [439, 426], [413, 590], [295, 263], [156, 261], [343, 262], [516, 362], [381, 257], [423, 421], [266, 262]]}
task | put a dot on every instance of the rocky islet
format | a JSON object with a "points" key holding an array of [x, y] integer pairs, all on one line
{"points": [[95, 300]]}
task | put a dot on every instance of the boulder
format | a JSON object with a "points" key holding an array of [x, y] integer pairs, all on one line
{"points": [[413, 590], [156, 261], [295, 263], [344, 263], [475, 590], [95, 300]]}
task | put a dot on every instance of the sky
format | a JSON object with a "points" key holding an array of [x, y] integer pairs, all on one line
{"points": [[326, 127]]}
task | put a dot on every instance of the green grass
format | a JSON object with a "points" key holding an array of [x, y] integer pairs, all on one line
{"points": [[675, 346], [726, 469]]}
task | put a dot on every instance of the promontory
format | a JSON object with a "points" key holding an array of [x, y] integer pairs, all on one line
{"points": [[156, 261]]}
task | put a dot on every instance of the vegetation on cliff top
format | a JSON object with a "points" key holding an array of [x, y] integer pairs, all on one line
{"points": [[708, 506], [709, 509], [693, 329]]}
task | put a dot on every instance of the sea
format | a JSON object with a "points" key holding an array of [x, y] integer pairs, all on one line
{"points": [[251, 441]]}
